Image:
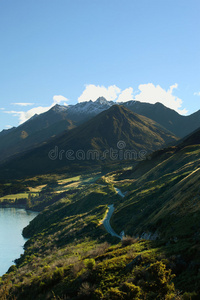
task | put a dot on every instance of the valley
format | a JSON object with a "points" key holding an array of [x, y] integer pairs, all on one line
{"points": [[99, 150], [118, 230]]}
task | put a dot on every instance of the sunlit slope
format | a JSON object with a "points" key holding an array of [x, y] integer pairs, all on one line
{"points": [[163, 193]]}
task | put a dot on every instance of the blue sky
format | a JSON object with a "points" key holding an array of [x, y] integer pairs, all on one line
{"points": [[67, 51]]}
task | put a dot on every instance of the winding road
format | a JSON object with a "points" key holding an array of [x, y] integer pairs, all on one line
{"points": [[106, 220], [119, 192]]}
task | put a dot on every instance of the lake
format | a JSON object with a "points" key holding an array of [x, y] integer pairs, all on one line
{"points": [[12, 222]]}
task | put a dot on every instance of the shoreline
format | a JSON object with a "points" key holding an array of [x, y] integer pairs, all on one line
{"points": [[24, 239], [19, 206]]}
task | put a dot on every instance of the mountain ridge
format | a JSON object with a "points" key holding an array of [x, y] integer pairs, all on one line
{"points": [[101, 133], [40, 128]]}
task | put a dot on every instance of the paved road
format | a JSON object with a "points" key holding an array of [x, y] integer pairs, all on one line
{"points": [[119, 192], [106, 222]]}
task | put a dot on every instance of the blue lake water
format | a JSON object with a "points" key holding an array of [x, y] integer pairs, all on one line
{"points": [[12, 222]]}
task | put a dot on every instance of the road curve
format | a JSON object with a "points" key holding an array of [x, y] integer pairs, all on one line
{"points": [[106, 221], [119, 192]]}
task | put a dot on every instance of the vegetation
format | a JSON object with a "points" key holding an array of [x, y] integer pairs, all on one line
{"points": [[100, 140], [69, 255]]}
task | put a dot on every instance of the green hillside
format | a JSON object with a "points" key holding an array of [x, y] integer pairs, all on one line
{"points": [[70, 255], [93, 143]]}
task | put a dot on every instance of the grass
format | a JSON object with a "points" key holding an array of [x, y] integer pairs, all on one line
{"points": [[37, 189], [80, 268], [68, 180], [68, 255], [15, 196]]}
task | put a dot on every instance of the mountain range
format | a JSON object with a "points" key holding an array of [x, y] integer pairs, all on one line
{"points": [[155, 207], [114, 132], [40, 128], [158, 257]]}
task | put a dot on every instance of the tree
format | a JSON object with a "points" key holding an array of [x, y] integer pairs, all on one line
{"points": [[28, 203]]}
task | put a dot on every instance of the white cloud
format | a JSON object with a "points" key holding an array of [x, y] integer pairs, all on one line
{"points": [[92, 92], [58, 99], [25, 115], [197, 94], [152, 94], [126, 95], [147, 93], [13, 112], [22, 104], [19, 114]]}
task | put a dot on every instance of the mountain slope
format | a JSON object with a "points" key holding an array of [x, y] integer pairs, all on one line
{"points": [[83, 111], [40, 128], [6, 131], [66, 255], [114, 125], [178, 124], [35, 131], [163, 193], [104, 138]]}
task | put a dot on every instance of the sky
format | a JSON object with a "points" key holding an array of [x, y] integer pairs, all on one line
{"points": [[64, 52]]}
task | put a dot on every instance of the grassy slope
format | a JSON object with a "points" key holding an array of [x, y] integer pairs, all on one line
{"points": [[163, 202], [167, 193], [163, 197], [98, 134], [68, 255]]}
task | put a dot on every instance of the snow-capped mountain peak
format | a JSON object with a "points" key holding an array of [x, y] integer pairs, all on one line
{"points": [[91, 107], [59, 108]]}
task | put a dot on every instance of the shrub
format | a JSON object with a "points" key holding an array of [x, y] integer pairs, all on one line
{"points": [[12, 268], [58, 274], [159, 280], [99, 250], [115, 294], [77, 267], [89, 263], [128, 240], [132, 291], [190, 296], [86, 289]]}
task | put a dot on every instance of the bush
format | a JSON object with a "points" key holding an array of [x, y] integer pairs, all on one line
{"points": [[190, 296], [132, 291], [86, 289], [159, 280], [115, 294], [12, 268], [89, 263], [128, 240], [58, 274]]}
